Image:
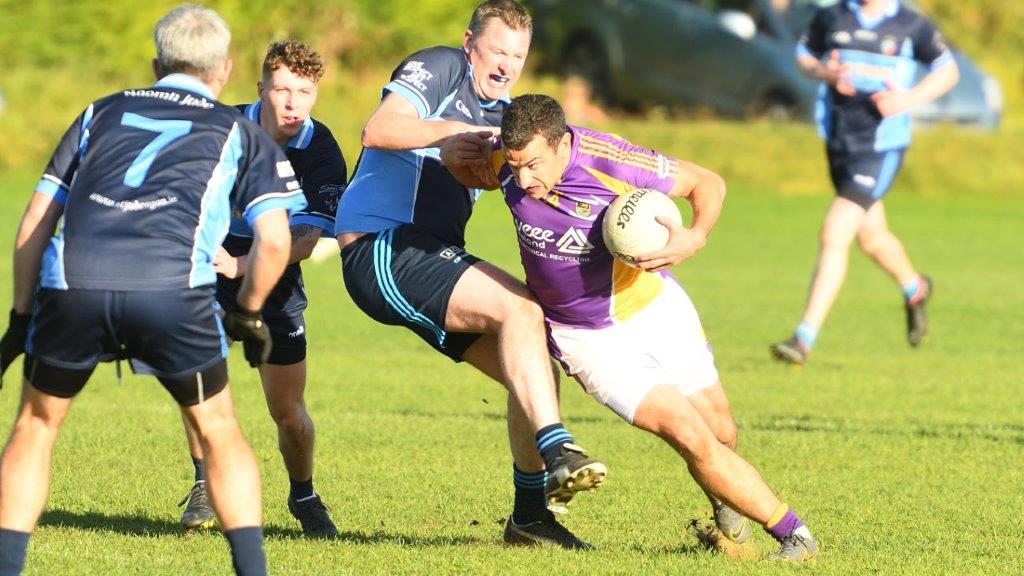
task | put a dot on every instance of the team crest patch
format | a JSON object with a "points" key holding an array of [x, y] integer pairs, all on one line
{"points": [[582, 209], [889, 45]]}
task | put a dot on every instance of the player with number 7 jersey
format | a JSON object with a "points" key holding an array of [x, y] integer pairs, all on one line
{"points": [[166, 167]]}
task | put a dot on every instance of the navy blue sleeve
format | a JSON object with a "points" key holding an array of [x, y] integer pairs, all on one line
{"points": [[929, 46], [427, 77], [814, 41], [266, 179], [323, 183], [56, 179]]}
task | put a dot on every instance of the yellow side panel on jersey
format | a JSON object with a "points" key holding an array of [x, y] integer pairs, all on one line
{"points": [[613, 184], [632, 290]]}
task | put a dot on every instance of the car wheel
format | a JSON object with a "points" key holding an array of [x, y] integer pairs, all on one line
{"points": [[775, 107], [584, 59]]}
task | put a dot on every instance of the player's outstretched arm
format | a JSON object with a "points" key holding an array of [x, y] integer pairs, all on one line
{"points": [[304, 239], [468, 156], [395, 125], [705, 190], [37, 225]]}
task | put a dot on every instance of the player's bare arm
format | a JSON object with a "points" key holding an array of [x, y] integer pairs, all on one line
{"points": [[37, 226], [705, 190], [832, 72], [468, 156], [304, 239], [892, 100], [395, 125], [267, 258]]}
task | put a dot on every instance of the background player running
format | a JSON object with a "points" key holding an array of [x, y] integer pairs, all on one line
{"points": [[287, 91], [866, 53]]}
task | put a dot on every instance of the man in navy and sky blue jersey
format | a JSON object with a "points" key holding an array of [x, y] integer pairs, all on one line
{"points": [[287, 92], [140, 191], [401, 226], [865, 52]]}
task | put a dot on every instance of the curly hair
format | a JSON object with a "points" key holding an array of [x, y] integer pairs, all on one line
{"points": [[302, 60], [529, 115]]}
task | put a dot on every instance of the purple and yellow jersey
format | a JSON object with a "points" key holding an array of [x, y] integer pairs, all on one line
{"points": [[568, 267]]}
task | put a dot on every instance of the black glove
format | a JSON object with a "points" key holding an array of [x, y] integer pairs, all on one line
{"points": [[247, 326], [13, 342]]}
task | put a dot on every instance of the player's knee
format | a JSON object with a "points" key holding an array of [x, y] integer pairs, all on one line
{"points": [[695, 443], [36, 423], [292, 421], [525, 311]]}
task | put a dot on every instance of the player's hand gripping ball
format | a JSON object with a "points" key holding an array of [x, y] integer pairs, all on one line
{"points": [[630, 228]]}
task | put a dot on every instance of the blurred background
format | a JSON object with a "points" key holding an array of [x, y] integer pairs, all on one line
{"points": [[708, 80]]}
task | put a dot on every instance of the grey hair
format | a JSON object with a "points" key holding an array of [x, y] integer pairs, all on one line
{"points": [[191, 39]]}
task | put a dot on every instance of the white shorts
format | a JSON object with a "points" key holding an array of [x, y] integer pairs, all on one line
{"points": [[661, 345]]}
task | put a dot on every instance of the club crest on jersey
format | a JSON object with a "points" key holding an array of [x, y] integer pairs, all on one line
{"points": [[582, 209], [416, 75], [889, 45]]}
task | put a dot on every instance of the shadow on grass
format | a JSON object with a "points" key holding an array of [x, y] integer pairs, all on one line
{"points": [[380, 537], [138, 525]]}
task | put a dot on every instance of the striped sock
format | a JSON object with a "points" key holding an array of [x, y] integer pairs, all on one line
{"points": [[784, 522], [530, 505], [550, 440], [301, 489]]}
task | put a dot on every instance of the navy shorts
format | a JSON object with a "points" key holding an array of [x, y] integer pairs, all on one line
{"points": [[175, 335], [287, 332], [864, 177], [405, 277]]}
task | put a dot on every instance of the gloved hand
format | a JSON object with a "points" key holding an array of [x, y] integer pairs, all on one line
{"points": [[13, 342], [248, 327]]}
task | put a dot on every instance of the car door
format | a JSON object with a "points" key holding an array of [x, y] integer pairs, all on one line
{"points": [[662, 48]]}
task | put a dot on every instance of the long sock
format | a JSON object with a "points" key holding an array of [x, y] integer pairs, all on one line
{"points": [[301, 489], [911, 288], [807, 333], [550, 440], [13, 545], [785, 522], [198, 463], [247, 554], [529, 503]]}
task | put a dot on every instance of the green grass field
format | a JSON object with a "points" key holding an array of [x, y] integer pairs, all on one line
{"points": [[902, 461]]}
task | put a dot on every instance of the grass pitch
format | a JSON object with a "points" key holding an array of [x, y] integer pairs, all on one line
{"points": [[902, 461]]}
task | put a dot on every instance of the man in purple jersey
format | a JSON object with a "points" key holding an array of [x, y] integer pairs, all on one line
{"points": [[630, 336]]}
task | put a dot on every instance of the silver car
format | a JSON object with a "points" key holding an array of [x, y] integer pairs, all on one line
{"points": [[735, 57]]}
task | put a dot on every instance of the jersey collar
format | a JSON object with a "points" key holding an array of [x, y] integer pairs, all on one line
{"points": [[185, 82], [486, 104], [300, 141], [890, 10]]}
